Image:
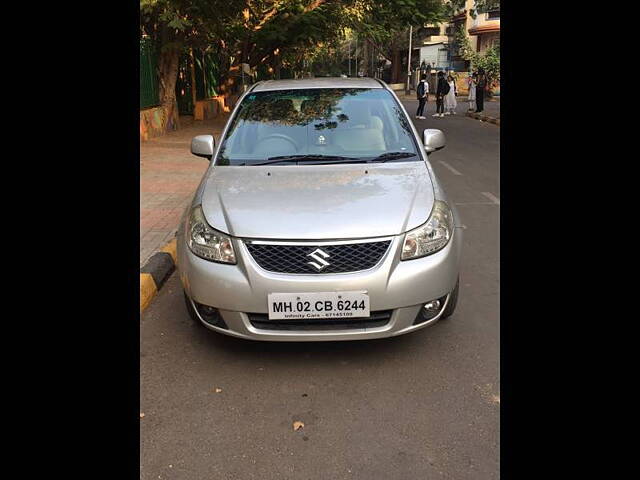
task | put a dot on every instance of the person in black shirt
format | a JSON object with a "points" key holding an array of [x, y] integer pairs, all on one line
{"points": [[441, 91], [422, 92], [480, 88]]}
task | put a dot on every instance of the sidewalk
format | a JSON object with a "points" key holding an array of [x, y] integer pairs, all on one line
{"points": [[169, 176]]}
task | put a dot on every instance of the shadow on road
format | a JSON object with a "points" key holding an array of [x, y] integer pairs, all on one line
{"points": [[169, 332], [314, 352]]}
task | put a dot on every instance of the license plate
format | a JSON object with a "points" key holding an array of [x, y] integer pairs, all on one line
{"points": [[294, 306]]}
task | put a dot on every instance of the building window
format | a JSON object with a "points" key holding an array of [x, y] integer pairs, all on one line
{"points": [[493, 15]]}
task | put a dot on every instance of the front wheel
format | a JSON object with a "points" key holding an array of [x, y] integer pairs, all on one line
{"points": [[453, 301]]}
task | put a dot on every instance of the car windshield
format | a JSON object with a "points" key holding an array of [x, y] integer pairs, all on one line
{"points": [[341, 125]]}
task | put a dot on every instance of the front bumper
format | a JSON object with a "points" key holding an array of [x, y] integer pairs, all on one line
{"points": [[401, 287]]}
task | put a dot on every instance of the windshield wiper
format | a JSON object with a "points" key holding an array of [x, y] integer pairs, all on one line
{"points": [[392, 156], [324, 159], [308, 158]]}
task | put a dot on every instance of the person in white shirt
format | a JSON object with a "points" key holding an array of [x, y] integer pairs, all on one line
{"points": [[450, 102], [472, 80], [422, 92]]}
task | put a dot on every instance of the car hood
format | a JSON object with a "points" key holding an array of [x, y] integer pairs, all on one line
{"points": [[313, 202]]}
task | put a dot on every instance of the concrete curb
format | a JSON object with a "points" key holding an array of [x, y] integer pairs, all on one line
{"points": [[484, 118], [155, 273]]}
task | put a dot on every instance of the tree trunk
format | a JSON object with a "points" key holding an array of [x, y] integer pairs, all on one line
{"points": [[395, 65], [168, 67], [365, 59], [194, 93], [278, 66]]}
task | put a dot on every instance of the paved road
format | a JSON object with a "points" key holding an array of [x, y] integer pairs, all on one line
{"points": [[420, 406], [491, 108]]}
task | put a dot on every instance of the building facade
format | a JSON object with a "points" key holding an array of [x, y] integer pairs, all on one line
{"points": [[439, 47], [486, 28]]}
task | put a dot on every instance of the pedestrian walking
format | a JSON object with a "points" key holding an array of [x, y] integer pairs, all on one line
{"points": [[441, 91], [480, 87], [450, 102], [422, 91], [471, 82]]}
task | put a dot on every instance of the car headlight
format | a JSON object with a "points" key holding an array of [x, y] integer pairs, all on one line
{"points": [[206, 242], [430, 237]]}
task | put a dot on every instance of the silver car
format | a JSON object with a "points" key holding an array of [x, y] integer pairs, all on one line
{"points": [[319, 218]]}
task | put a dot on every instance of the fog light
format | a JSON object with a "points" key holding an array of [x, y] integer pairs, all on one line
{"points": [[433, 306], [429, 310], [207, 310], [208, 313], [211, 315]]}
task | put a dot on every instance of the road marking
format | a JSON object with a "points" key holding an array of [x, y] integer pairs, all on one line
{"points": [[453, 170], [491, 197]]}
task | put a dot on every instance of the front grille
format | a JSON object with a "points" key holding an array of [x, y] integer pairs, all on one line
{"points": [[344, 258], [377, 319]]}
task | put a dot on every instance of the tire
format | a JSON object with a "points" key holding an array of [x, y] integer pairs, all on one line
{"points": [[453, 301], [191, 310]]}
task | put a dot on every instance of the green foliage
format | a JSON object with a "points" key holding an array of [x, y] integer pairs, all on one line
{"points": [[293, 26], [271, 35], [174, 24], [482, 6], [267, 25], [383, 20], [479, 6], [206, 73], [489, 60]]}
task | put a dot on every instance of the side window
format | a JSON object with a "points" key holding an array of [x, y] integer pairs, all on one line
{"points": [[243, 131]]}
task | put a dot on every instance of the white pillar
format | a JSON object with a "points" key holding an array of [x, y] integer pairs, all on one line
{"points": [[408, 89]]}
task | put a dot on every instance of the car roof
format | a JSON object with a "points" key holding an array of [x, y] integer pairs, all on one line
{"points": [[321, 82]]}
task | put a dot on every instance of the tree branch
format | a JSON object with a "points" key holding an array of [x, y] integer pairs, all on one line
{"points": [[313, 5]]}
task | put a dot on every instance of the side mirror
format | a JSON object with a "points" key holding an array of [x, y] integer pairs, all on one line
{"points": [[433, 140], [202, 146]]}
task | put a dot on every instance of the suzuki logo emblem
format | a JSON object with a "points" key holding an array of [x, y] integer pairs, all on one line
{"points": [[319, 257]]}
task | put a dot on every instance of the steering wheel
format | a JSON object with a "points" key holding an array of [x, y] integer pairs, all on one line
{"points": [[278, 136]]}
